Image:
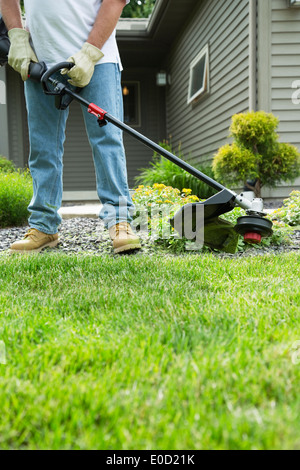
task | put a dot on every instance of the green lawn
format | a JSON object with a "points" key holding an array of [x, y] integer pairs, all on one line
{"points": [[190, 352]]}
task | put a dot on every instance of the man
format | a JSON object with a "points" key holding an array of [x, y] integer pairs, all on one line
{"points": [[82, 32]]}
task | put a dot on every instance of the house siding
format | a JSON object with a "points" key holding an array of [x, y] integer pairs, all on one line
{"points": [[202, 128], [278, 68], [17, 120], [285, 69]]}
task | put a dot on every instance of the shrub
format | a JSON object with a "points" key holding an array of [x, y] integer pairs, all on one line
{"points": [[165, 172], [256, 154], [6, 166], [15, 195], [290, 212]]}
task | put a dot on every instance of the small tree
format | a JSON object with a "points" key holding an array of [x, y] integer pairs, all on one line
{"points": [[256, 154], [138, 9]]}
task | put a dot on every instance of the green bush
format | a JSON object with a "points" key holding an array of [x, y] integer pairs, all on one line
{"points": [[6, 166], [15, 195], [256, 154], [165, 172]]}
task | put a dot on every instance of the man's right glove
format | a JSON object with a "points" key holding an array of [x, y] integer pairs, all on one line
{"points": [[20, 52], [85, 61]]}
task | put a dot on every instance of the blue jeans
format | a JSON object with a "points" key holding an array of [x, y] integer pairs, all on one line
{"points": [[47, 135]]}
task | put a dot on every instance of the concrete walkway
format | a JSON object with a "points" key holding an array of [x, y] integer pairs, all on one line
{"points": [[90, 211]]}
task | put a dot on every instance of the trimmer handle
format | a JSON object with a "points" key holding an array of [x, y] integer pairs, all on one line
{"points": [[36, 71], [56, 68]]}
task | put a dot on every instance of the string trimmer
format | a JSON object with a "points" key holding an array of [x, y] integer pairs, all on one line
{"points": [[217, 232]]}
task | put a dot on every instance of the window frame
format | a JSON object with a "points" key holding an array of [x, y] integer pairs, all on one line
{"points": [[205, 88], [138, 104]]}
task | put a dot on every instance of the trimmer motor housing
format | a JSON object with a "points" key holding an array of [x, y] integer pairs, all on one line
{"points": [[254, 226]]}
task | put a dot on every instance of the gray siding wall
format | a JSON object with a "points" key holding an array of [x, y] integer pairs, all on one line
{"points": [[202, 128], [17, 120], [79, 173], [285, 69], [278, 68]]}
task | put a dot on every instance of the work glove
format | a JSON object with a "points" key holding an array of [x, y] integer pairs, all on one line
{"points": [[20, 52], [85, 61]]}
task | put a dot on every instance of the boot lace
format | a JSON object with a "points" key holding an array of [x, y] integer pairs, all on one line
{"points": [[32, 233], [123, 226]]}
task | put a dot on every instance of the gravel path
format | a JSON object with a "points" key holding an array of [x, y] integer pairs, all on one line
{"points": [[79, 235], [83, 235]]}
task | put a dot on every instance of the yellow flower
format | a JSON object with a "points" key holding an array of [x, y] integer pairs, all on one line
{"points": [[158, 186], [193, 198], [187, 191]]}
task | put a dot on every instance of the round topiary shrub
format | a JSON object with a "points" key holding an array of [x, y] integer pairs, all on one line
{"points": [[15, 195], [256, 154]]}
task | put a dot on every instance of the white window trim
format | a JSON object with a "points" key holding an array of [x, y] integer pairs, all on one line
{"points": [[205, 88]]}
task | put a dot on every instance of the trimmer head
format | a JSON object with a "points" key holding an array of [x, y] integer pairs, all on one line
{"points": [[254, 228]]}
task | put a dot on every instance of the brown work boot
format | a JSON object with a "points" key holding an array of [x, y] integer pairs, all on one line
{"points": [[34, 241], [123, 238]]}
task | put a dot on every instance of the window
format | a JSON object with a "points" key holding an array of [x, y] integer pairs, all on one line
{"points": [[131, 100], [199, 76], [293, 3]]}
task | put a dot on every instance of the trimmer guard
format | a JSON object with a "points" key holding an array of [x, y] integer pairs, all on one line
{"points": [[218, 233]]}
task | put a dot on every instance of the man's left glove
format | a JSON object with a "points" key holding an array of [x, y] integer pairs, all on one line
{"points": [[85, 61]]}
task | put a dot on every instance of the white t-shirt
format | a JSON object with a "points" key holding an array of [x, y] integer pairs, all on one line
{"points": [[59, 28]]}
